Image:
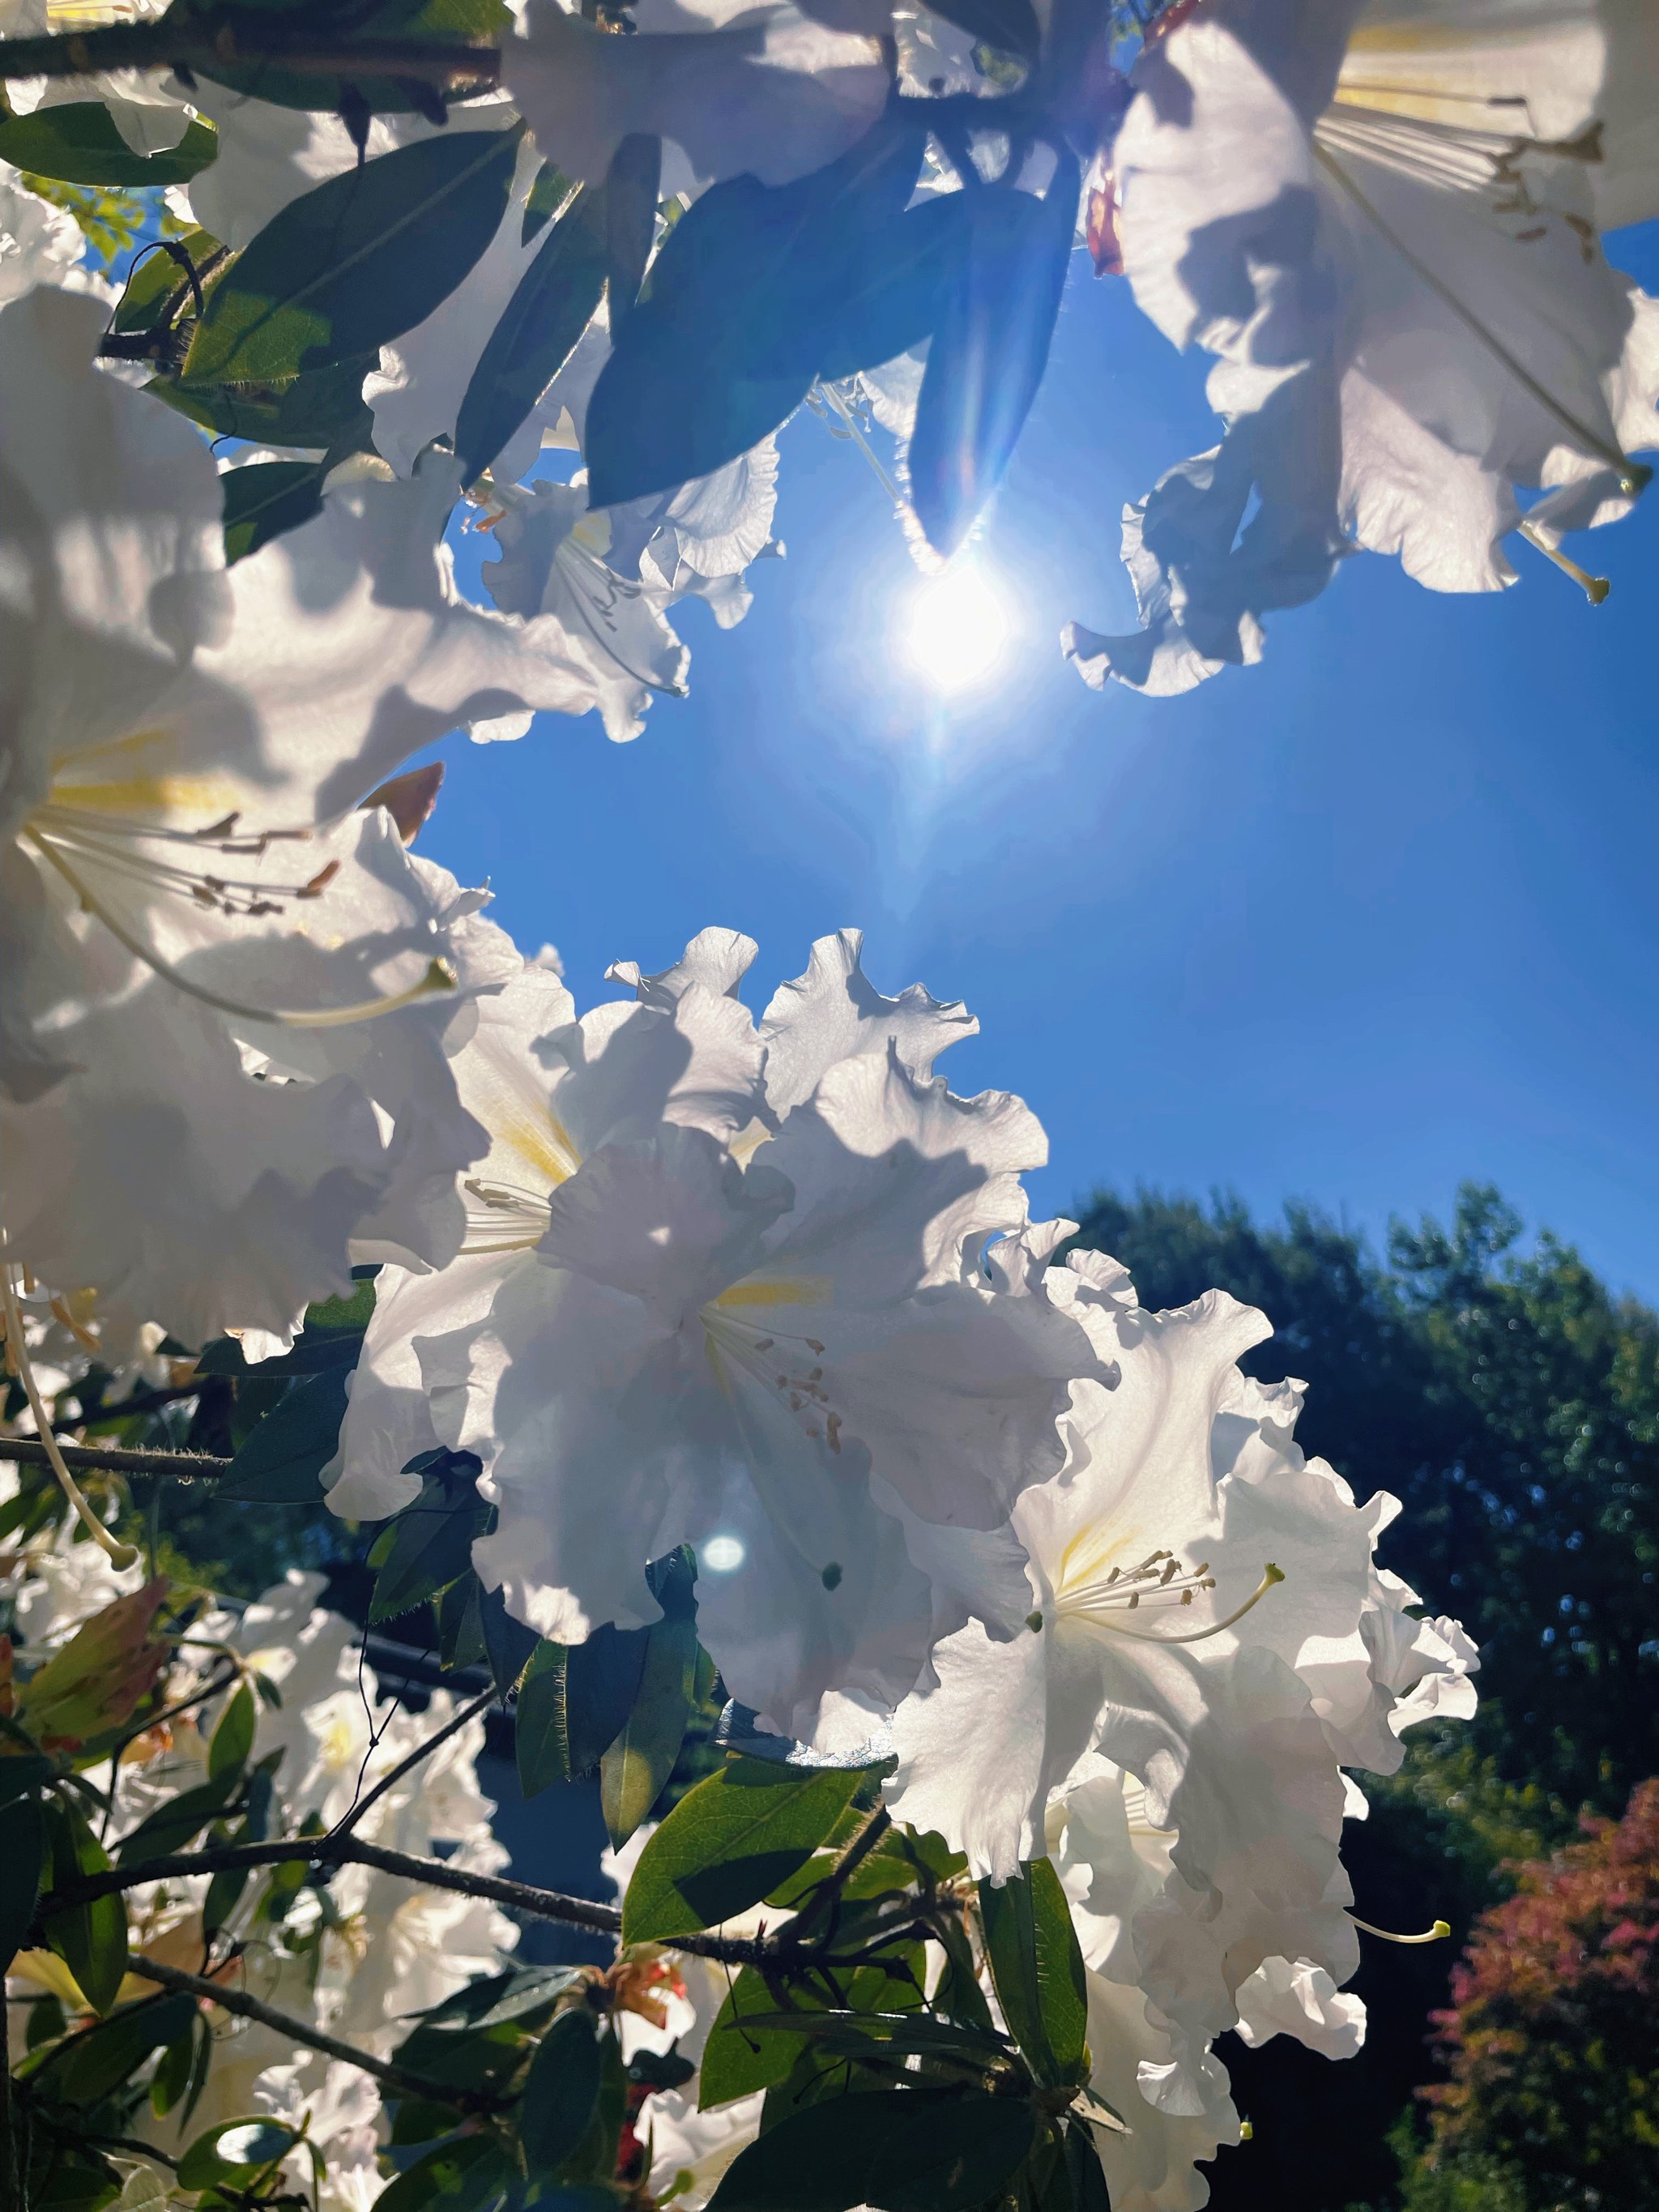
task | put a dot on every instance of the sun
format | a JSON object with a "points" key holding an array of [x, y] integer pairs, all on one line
{"points": [[955, 629]]}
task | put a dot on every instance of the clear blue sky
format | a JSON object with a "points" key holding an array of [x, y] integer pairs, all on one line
{"points": [[1375, 916]]}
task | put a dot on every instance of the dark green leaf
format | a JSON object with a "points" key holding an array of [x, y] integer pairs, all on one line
{"points": [[1038, 1971], [547, 195], [602, 1679], [1009, 25], [1083, 2169], [541, 1735], [79, 144], [431, 1540], [560, 2090], [637, 1765], [93, 2064], [90, 1939], [171, 2079], [499, 1999], [552, 306], [916, 2150], [508, 1645], [357, 261], [267, 498], [594, 2159], [731, 1841], [171, 1825], [233, 1738], [745, 300], [631, 187], [320, 412], [22, 1849], [20, 1772], [234, 2152], [989, 351], [283, 1458], [460, 1624]]}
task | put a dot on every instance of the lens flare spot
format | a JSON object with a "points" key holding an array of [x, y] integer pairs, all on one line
{"points": [[722, 1555], [956, 630]]}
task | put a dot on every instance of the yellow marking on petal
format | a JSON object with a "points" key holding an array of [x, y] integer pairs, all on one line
{"points": [[546, 1145], [207, 795], [776, 1290]]}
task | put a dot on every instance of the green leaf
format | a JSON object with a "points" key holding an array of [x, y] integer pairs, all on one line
{"points": [[552, 305], [1084, 2171], [1009, 25], [631, 187], [432, 1540], [914, 2150], [560, 2091], [79, 144], [234, 2152], [356, 262], [173, 1824], [754, 289], [547, 195], [460, 1624], [540, 1733], [1038, 1971], [635, 1769], [989, 351], [93, 2064], [171, 2080], [267, 498], [22, 1772], [753, 2045], [730, 1842], [157, 278], [233, 1739], [282, 1460], [90, 1939], [508, 1645], [22, 1850], [320, 412], [333, 1333]]}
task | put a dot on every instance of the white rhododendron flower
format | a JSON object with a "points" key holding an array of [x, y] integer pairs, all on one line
{"points": [[1382, 222], [773, 92], [178, 862], [608, 575], [40, 243]]}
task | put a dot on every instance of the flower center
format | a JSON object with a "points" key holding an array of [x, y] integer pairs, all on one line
{"points": [[1160, 1582]]}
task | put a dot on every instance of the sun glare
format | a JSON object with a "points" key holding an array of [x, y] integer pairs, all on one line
{"points": [[956, 628]]}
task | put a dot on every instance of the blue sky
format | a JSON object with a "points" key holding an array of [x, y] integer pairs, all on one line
{"points": [[1375, 916]]}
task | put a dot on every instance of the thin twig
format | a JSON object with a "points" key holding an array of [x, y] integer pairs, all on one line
{"points": [[343, 1827], [398, 2079], [247, 45], [113, 1459]]}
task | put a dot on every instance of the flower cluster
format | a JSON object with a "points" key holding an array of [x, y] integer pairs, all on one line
{"points": [[1016, 1602]]}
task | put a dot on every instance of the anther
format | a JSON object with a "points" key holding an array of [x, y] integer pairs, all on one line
{"points": [[1594, 588]]}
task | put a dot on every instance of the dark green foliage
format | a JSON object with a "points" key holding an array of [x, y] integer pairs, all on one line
{"points": [[1032, 1950], [919, 2151]]}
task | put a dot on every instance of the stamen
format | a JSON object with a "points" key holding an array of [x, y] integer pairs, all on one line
{"points": [[119, 1554], [856, 434], [439, 975], [1438, 1934], [1594, 588], [1098, 1599], [1443, 292]]}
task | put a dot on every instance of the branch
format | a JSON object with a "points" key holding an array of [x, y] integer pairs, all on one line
{"points": [[337, 1850], [398, 2079], [111, 1459], [344, 1825], [459, 71]]}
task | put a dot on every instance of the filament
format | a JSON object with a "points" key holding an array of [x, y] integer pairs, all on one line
{"points": [[1594, 588], [439, 976], [1438, 1934], [119, 1554], [1271, 1575]]}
